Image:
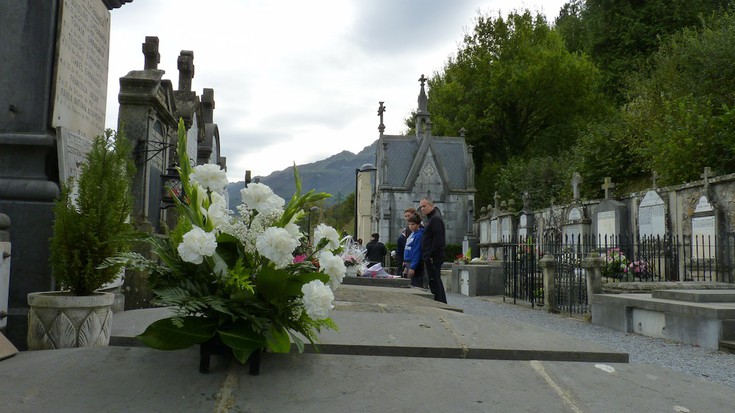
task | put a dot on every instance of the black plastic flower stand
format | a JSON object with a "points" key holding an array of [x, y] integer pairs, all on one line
{"points": [[215, 346]]}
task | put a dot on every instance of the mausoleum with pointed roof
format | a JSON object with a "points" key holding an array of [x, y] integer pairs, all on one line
{"points": [[423, 166]]}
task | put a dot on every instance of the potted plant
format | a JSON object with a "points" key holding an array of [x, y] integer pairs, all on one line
{"points": [[92, 223]]}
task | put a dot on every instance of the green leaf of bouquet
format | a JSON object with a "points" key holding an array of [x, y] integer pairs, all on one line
{"points": [[293, 287], [242, 339], [165, 335], [278, 340], [270, 283]]}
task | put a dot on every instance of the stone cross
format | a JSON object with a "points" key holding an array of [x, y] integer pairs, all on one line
{"points": [[150, 51], [576, 180], [607, 186], [208, 105], [654, 177], [706, 175], [185, 64], [381, 110], [423, 80], [497, 201]]}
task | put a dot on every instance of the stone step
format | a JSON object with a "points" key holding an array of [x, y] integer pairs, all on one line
{"points": [[728, 346], [378, 282], [696, 296]]}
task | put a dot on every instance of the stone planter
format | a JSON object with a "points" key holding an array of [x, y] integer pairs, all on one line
{"points": [[58, 320]]}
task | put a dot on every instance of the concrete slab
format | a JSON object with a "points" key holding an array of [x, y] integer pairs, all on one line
{"points": [[696, 296], [420, 332], [451, 335], [711, 310], [119, 379]]}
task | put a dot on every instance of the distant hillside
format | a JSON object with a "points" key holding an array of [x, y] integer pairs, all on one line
{"points": [[334, 175]]}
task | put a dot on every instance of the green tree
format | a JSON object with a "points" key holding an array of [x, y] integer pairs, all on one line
{"points": [[623, 34], [518, 92], [683, 113]]}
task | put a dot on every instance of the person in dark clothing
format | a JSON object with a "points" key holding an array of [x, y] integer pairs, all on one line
{"points": [[433, 243], [401, 244], [376, 250]]}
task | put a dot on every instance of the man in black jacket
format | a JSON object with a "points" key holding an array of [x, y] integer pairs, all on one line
{"points": [[376, 250], [433, 244]]}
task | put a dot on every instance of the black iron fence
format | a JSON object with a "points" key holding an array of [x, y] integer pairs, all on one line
{"points": [[625, 259]]}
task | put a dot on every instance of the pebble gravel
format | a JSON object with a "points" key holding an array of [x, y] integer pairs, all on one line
{"points": [[712, 365]]}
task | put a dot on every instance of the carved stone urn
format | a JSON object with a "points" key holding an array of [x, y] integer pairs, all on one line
{"points": [[59, 320]]}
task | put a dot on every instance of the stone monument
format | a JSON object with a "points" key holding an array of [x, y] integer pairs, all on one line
{"points": [[54, 84]]}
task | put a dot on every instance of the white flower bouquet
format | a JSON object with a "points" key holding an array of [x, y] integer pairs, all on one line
{"points": [[236, 279]]}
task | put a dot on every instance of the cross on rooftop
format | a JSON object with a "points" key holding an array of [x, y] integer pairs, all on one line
{"points": [[422, 79], [381, 110]]}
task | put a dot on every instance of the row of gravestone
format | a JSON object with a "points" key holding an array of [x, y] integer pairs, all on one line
{"points": [[608, 220]]}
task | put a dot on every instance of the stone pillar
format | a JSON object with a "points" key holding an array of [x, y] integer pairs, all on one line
{"points": [[29, 171], [593, 266], [548, 267]]}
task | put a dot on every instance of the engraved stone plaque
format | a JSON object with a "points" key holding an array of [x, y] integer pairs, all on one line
{"points": [[80, 84]]}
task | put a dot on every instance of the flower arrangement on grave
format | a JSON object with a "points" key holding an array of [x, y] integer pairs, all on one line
{"points": [[248, 282], [639, 269], [616, 264], [353, 257]]}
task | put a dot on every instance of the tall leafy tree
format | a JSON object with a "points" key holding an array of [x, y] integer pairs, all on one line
{"points": [[518, 92], [683, 113], [623, 34]]}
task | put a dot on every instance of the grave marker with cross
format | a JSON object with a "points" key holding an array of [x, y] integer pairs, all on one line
{"points": [[607, 186], [576, 180]]}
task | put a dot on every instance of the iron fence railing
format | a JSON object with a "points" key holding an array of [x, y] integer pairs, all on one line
{"points": [[625, 259]]}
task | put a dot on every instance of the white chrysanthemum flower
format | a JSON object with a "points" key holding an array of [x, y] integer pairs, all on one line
{"points": [[260, 197], [334, 266], [218, 215], [294, 230], [277, 245], [323, 231], [196, 245], [317, 299], [209, 176]]}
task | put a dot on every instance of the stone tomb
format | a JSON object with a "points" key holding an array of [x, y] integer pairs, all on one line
{"points": [[704, 224], [609, 222], [652, 216], [525, 225], [576, 225], [506, 228]]}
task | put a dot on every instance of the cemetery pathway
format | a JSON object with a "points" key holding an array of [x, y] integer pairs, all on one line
{"points": [[715, 366]]}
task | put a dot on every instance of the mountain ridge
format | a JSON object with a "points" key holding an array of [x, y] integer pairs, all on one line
{"points": [[327, 175]]}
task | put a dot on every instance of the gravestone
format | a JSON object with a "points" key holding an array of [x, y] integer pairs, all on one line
{"points": [[494, 233], [576, 226], [506, 228], [652, 217], [525, 219], [54, 59], [609, 218], [704, 225]]}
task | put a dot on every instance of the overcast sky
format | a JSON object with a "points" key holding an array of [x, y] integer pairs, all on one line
{"points": [[299, 81]]}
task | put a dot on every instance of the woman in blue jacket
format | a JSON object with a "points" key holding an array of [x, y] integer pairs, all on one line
{"points": [[412, 253]]}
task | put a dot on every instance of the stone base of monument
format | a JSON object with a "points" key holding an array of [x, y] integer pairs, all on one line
{"points": [[473, 280], [378, 282], [701, 317]]}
